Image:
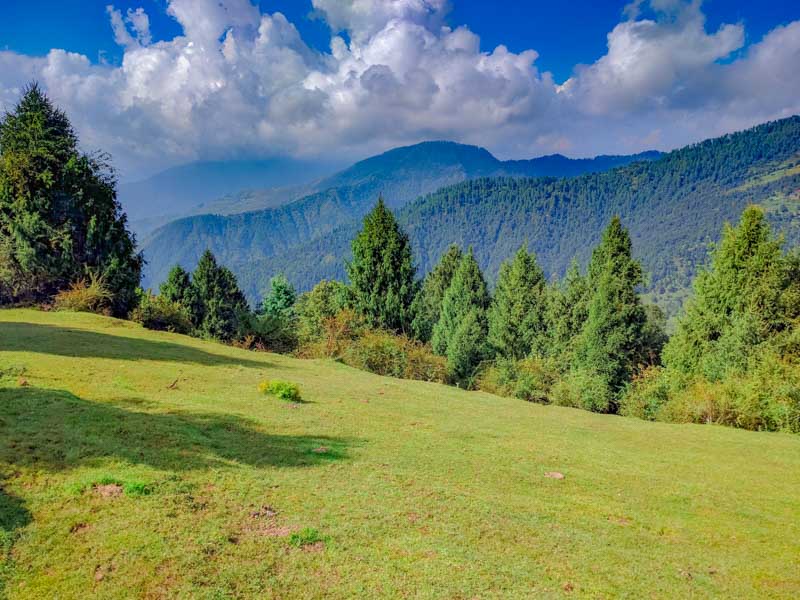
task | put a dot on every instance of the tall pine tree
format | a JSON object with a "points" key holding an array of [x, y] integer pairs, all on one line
{"points": [[610, 342], [382, 271], [738, 302], [59, 216], [460, 334], [427, 304], [517, 317], [220, 301], [568, 308]]}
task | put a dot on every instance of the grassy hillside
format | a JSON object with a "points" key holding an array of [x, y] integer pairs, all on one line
{"points": [[137, 463]]}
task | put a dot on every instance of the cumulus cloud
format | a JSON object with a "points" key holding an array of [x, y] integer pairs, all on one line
{"points": [[241, 83]]}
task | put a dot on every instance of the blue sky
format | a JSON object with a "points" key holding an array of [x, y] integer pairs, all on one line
{"points": [[163, 82], [563, 33]]}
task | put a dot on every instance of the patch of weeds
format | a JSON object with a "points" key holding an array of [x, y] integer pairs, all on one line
{"points": [[108, 483], [12, 371], [306, 537], [284, 390], [137, 488]]}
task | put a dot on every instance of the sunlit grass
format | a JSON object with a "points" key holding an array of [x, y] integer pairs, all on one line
{"points": [[137, 463]]}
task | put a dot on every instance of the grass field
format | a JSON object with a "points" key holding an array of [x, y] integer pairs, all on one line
{"points": [[143, 464]]}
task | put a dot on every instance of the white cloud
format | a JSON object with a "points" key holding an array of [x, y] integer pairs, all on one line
{"points": [[242, 83]]}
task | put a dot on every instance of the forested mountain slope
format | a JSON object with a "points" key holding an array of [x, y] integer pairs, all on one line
{"points": [[674, 207], [401, 175]]}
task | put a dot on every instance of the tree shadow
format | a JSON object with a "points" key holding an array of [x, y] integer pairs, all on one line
{"points": [[13, 516], [62, 341], [56, 430]]}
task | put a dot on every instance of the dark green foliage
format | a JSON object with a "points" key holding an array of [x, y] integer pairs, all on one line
{"points": [[460, 334], [610, 342], [653, 337], [281, 299], [382, 272], [674, 207], [252, 242], [517, 316], [59, 216], [734, 357], [274, 325], [427, 304], [177, 287], [467, 347], [568, 309], [738, 302], [221, 304]]}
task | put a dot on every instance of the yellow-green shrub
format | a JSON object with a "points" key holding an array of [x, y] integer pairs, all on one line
{"points": [[284, 390], [158, 313], [85, 296], [530, 379], [395, 356]]}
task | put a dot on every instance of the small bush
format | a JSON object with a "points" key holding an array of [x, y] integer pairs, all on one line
{"points": [[267, 333], [306, 537], [85, 296], [582, 388], [531, 379], [158, 313], [336, 334], [646, 395], [394, 356], [281, 389]]}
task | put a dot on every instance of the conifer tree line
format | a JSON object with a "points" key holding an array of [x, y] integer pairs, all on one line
{"points": [[587, 340]]}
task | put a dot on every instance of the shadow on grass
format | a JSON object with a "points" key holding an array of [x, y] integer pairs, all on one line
{"points": [[62, 341], [55, 430]]}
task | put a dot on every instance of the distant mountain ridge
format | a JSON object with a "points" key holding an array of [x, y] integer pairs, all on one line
{"points": [[674, 206], [400, 175], [185, 189]]}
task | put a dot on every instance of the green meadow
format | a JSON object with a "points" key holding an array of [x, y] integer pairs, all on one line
{"points": [[136, 463]]}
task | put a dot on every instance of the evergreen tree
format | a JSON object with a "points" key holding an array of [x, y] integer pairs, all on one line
{"points": [[467, 347], [427, 304], [738, 302], [568, 309], [280, 302], [517, 316], [610, 342], [220, 302], [59, 216], [382, 271], [463, 319]]}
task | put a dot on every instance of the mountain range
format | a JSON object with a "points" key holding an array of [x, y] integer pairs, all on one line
{"points": [[294, 215]]}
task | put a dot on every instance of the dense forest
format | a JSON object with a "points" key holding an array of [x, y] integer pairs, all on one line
{"points": [[674, 208], [588, 339], [401, 175]]}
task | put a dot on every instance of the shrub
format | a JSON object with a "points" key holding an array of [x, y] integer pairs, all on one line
{"points": [[158, 313], [326, 300], [266, 332], [281, 389], [383, 353], [336, 334], [583, 388], [530, 379], [305, 537], [646, 394], [85, 296]]}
